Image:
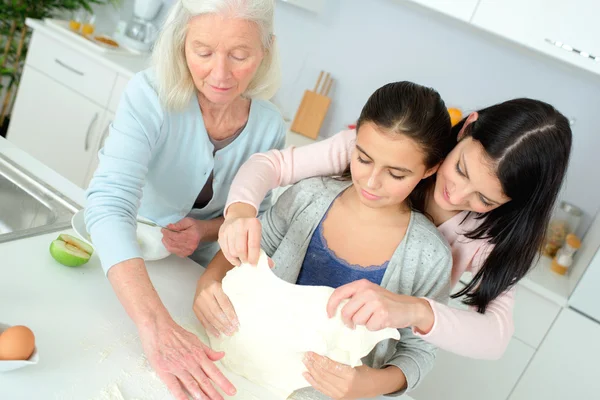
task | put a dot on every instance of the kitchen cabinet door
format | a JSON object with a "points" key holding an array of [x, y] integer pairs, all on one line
{"points": [[566, 364], [459, 378], [531, 22], [461, 9], [533, 316], [55, 125], [104, 131]]}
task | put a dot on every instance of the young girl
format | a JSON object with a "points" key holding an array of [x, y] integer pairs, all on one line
{"points": [[491, 198], [361, 227]]}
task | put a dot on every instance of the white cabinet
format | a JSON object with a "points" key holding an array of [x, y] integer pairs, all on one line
{"points": [[459, 378], [65, 103], [551, 27], [533, 316], [104, 130], [566, 364], [72, 68], [117, 91], [461, 9], [531, 22], [55, 125]]}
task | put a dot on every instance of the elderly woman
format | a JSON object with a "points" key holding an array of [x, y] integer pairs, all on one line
{"points": [[182, 130]]}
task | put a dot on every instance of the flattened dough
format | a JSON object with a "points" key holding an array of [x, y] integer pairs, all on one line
{"points": [[279, 322]]}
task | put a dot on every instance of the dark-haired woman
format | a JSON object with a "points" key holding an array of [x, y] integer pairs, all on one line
{"points": [[491, 198]]}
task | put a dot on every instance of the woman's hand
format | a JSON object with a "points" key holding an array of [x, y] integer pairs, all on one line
{"points": [[182, 361], [335, 380], [378, 308], [183, 237], [213, 308], [240, 234]]}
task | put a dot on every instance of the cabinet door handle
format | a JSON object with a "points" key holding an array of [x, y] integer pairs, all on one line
{"points": [[566, 47], [104, 135], [86, 146], [62, 64]]}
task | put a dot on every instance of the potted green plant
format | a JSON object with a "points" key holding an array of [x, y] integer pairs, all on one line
{"points": [[14, 39]]}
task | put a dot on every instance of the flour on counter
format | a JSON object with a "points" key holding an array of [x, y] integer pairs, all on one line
{"points": [[87, 345], [104, 354], [137, 382], [111, 392]]}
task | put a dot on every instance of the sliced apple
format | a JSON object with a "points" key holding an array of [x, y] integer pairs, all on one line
{"points": [[70, 251]]}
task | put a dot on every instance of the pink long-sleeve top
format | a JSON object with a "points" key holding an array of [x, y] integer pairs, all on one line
{"points": [[461, 331]]}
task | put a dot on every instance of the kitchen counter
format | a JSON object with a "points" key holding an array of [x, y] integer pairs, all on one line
{"points": [[550, 285], [88, 347], [125, 65]]}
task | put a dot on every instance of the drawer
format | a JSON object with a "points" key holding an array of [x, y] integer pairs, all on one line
{"points": [[117, 92], [533, 316], [71, 68]]}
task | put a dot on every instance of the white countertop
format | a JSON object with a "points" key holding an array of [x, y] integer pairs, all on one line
{"points": [[542, 280], [86, 343], [124, 65], [546, 283]]}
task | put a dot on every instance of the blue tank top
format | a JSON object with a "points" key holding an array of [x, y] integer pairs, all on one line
{"points": [[321, 267]]}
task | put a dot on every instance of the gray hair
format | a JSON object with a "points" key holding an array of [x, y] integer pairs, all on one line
{"points": [[174, 82]]}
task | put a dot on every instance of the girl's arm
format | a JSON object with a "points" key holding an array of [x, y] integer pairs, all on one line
{"points": [[465, 331], [266, 171], [239, 236], [471, 334], [414, 356]]}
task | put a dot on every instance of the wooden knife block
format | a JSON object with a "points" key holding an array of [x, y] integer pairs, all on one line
{"points": [[313, 109]]}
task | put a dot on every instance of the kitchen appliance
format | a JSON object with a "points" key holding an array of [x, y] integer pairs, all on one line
{"points": [[141, 31]]}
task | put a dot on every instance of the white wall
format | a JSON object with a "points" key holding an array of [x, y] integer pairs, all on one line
{"points": [[367, 44]]}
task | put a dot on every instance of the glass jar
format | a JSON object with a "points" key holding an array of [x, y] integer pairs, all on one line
{"points": [[564, 256], [89, 25], [565, 220], [76, 21]]}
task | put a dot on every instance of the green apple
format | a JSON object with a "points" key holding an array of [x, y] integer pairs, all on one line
{"points": [[70, 251]]}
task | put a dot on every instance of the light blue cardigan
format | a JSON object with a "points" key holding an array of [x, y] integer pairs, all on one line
{"points": [[154, 163]]}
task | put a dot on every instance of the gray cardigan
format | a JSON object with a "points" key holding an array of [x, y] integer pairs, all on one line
{"points": [[419, 267]]}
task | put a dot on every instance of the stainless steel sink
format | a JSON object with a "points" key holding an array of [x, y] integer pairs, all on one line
{"points": [[29, 207]]}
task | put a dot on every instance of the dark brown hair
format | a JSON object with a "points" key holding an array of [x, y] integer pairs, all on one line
{"points": [[529, 142], [417, 112]]}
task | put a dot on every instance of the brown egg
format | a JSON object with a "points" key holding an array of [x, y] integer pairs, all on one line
{"points": [[16, 343]]}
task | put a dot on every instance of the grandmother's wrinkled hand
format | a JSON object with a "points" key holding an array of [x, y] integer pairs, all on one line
{"points": [[183, 237], [182, 361]]}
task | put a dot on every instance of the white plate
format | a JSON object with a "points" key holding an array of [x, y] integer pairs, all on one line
{"points": [[149, 238], [12, 365]]}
